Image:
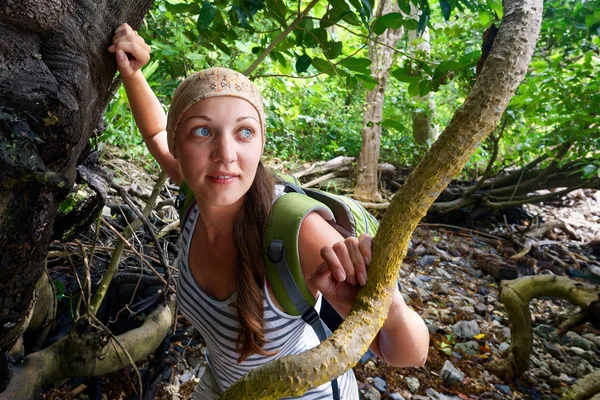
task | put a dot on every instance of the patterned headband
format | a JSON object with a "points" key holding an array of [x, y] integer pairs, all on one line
{"points": [[212, 82]]}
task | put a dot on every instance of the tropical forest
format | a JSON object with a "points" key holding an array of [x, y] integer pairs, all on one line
{"points": [[464, 135]]}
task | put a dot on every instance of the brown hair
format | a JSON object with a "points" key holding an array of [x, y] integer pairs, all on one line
{"points": [[248, 236]]}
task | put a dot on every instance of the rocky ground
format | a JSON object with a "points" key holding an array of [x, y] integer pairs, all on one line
{"points": [[443, 279]]}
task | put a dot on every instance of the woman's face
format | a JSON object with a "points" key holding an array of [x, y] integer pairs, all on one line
{"points": [[219, 145]]}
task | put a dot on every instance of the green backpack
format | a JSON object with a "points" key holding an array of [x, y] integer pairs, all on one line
{"points": [[280, 252]]}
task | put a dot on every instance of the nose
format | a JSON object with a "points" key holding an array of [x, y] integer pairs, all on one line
{"points": [[224, 150]]}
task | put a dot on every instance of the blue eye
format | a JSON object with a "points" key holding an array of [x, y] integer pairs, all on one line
{"points": [[246, 133], [201, 132]]}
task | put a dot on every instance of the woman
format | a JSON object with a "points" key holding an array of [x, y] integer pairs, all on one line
{"points": [[213, 138]]}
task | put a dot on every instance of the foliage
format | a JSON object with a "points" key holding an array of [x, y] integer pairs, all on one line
{"points": [[314, 80]]}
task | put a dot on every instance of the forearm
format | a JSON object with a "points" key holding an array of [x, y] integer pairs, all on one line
{"points": [[145, 107], [403, 340]]}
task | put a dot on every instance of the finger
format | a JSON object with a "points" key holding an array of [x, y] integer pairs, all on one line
{"points": [[341, 251], [138, 52], [123, 29], [123, 64], [365, 243], [131, 36], [360, 269], [320, 277], [333, 263]]}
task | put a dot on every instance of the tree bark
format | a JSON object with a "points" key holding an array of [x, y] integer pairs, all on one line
{"points": [[55, 75], [382, 58], [516, 295], [502, 72]]}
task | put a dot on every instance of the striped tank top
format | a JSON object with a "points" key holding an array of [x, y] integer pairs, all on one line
{"points": [[218, 324]]}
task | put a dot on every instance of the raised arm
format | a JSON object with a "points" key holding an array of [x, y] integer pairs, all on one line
{"points": [[132, 54]]}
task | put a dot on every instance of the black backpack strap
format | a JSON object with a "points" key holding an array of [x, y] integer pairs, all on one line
{"points": [[276, 254]]}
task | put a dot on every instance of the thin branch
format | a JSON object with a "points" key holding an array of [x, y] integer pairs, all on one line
{"points": [[280, 38]]}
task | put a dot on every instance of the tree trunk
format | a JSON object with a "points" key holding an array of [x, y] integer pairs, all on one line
{"points": [[502, 72], [381, 57], [424, 130], [55, 76]]}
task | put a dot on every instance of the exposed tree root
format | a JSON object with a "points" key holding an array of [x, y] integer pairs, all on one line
{"points": [[86, 351], [585, 388], [516, 295]]}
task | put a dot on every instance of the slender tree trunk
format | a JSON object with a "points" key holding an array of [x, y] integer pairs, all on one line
{"points": [[503, 71], [55, 75], [424, 130], [382, 58]]}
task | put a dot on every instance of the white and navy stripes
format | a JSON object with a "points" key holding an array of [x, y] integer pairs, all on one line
{"points": [[218, 324]]}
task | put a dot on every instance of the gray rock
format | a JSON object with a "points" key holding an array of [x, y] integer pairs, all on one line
{"points": [[186, 376], [440, 288], [433, 395], [547, 332], [466, 329], [424, 278], [367, 356], [592, 338], [417, 282], [427, 260], [554, 350], [470, 348], [577, 351], [503, 347], [592, 274], [433, 328], [443, 273], [505, 389], [481, 309], [412, 383], [380, 384], [571, 339], [396, 396], [569, 380], [425, 295], [450, 374], [555, 381], [370, 394], [505, 333], [419, 397]]}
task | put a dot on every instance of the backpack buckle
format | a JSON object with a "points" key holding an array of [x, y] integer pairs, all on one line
{"points": [[179, 199], [311, 316], [276, 251]]}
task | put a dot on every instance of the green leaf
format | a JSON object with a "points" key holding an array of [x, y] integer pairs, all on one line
{"points": [[356, 64], [446, 9], [413, 89], [423, 20], [321, 65], [316, 37], [496, 5], [278, 9], [484, 17], [222, 46], [404, 6], [391, 20], [424, 87], [470, 59], [302, 63], [394, 124], [206, 16], [402, 76], [351, 82], [183, 8], [368, 81], [589, 170], [339, 4], [411, 24], [333, 49]]}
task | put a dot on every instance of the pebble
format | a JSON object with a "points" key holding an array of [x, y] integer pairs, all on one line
{"points": [[367, 356], [577, 351], [370, 394], [186, 376], [470, 348], [396, 396], [380, 384], [412, 383], [592, 338], [481, 309], [554, 350], [505, 333], [503, 347], [569, 380], [571, 339], [451, 375], [443, 273], [547, 332], [424, 278], [417, 282], [433, 395], [427, 260], [433, 328], [466, 329], [505, 389], [440, 288], [555, 381], [425, 295]]}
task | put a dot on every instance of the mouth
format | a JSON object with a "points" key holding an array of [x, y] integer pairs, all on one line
{"points": [[222, 177]]}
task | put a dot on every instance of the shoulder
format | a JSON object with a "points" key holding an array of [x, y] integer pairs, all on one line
{"points": [[315, 233]]}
